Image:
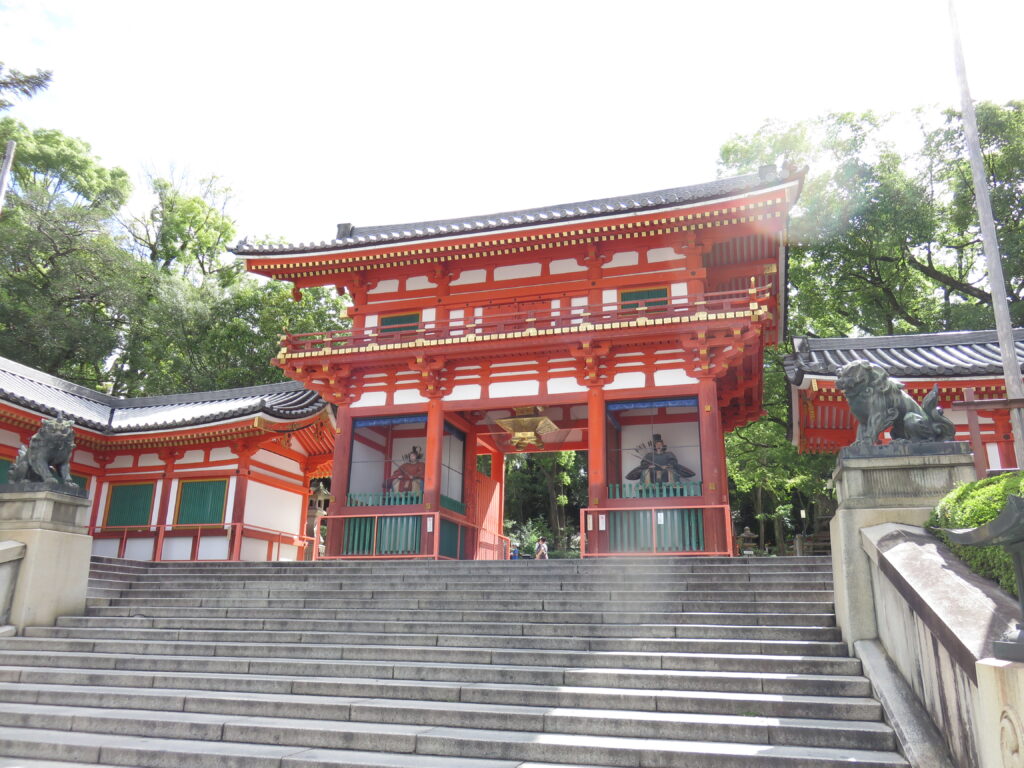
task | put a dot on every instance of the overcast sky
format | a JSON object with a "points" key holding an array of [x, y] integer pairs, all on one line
{"points": [[370, 112]]}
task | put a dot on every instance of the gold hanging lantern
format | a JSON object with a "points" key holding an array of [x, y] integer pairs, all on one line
{"points": [[527, 426]]}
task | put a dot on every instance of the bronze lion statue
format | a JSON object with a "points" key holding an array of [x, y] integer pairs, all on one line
{"points": [[47, 457], [879, 403]]}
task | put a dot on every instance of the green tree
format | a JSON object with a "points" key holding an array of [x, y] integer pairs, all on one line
{"points": [[186, 232], [15, 83], [549, 486], [67, 289], [195, 338]]}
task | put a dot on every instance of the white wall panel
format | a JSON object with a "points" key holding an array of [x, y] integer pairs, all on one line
{"points": [[517, 271], [273, 508]]}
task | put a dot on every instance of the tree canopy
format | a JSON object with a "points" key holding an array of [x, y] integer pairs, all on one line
{"points": [[884, 240], [133, 304]]}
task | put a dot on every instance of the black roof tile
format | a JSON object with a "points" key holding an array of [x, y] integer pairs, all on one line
{"points": [[41, 392], [358, 237], [912, 356]]}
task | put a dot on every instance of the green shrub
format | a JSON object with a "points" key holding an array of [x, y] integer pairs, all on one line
{"points": [[974, 504]]}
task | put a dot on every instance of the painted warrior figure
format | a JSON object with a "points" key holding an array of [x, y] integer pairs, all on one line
{"points": [[659, 465], [409, 475]]}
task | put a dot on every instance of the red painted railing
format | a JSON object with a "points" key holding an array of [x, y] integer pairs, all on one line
{"points": [[232, 532], [492, 546], [677, 530], [508, 319]]}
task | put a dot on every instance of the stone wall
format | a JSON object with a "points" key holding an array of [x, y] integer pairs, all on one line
{"points": [[936, 621]]}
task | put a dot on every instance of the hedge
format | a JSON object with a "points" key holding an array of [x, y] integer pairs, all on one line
{"points": [[974, 504]]}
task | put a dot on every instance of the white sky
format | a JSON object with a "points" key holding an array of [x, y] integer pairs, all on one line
{"points": [[384, 112]]}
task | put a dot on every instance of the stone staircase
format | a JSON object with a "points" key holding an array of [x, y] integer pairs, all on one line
{"points": [[656, 662]]}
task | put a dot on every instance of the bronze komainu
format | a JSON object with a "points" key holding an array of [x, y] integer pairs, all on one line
{"points": [[47, 457], [879, 403]]}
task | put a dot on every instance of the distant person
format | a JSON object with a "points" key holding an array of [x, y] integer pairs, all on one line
{"points": [[542, 549], [515, 552]]}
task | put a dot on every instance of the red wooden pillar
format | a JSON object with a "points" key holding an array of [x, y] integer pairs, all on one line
{"points": [[597, 442], [1004, 439], [432, 468], [717, 526], [244, 453], [163, 507], [340, 468]]}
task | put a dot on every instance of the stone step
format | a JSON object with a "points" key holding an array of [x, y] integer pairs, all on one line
{"points": [[117, 690], [302, 653], [576, 643], [211, 717], [824, 619], [706, 676], [507, 593], [260, 743], [435, 603], [565, 582]]}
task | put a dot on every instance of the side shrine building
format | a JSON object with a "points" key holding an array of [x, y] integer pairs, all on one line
{"points": [[631, 327]]}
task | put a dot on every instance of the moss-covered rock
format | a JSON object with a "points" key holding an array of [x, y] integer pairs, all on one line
{"points": [[974, 504]]}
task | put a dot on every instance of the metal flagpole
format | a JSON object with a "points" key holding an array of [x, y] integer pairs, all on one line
{"points": [[1004, 330], [5, 172]]}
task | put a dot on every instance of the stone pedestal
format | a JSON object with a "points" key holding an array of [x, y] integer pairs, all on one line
{"points": [[875, 490], [54, 573]]}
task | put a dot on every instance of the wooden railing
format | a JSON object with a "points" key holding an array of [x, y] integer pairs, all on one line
{"points": [[501, 321], [384, 499], [655, 490], [231, 533]]}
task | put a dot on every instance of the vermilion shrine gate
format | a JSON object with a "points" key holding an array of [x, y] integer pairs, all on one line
{"points": [[630, 327]]}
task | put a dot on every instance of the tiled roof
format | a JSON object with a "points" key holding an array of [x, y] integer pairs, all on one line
{"points": [[361, 237], [914, 356], [47, 394]]}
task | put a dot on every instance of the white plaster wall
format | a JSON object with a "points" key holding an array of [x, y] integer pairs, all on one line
{"points": [[563, 385], [82, 457], [267, 507], [370, 322], [222, 454], [253, 550], [471, 277], [464, 392], [281, 462], [514, 389], [656, 255], [418, 283], [150, 460], [672, 378], [408, 397], [120, 462], [565, 266], [371, 400], [624, 259], [213, 548], [385, 286], [679, 289], [992, 451], [609, 296], [104, 547], [517, 271], [627, 380], [177, 548], [428, 315], [192, 457], [139, 549], [7, 437]]}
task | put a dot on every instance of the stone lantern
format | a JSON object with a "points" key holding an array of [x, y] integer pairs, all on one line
{"points": [[319, 500]]}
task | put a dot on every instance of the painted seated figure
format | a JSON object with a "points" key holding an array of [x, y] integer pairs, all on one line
{"points": [[659, 465], [409, 475]]}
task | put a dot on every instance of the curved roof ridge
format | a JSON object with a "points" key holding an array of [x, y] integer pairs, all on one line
{"points": [[354, 237]]}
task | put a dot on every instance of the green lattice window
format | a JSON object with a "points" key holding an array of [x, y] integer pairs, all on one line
{"points": [[5, 468], [129, 504], [644, 297], [201, 502], [398, 323]]}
